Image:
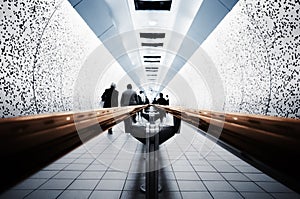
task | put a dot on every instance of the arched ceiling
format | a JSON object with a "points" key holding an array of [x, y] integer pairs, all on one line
{"points": [[158, 35]]}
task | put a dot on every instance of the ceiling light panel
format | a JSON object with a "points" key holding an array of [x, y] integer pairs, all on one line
{"points": [[153, 5]]}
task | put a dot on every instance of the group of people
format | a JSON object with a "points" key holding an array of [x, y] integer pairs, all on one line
{"points": [[161, 100], [129, 97]]}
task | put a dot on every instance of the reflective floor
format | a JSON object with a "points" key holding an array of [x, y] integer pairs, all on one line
{"points": [[111, 166]]}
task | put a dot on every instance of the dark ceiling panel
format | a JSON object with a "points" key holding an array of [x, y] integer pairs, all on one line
{"points": [[152, 5], [152, 56], [151, 67], [152, 61], [152, 44], [152, 35]]}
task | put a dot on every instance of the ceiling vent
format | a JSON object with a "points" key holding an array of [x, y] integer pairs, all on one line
{"points": [[153, 5], [152, 56], [152, 35], [151, 61], [151, 67], [152, 44]]}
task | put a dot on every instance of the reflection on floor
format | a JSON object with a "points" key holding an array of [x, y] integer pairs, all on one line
{"points": [[111, 166]]}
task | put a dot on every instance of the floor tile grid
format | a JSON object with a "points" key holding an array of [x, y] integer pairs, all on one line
{"points": [[108, 166], [202, 139], [219, 149], [169, 158], [253, 171], [138, 153], [192, 148], [48, 179], [78, 156], [131, 162], [184, 158], [204, 192], [218, 154], [243, 174]]}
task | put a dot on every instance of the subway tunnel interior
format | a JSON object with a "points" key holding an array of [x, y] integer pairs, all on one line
{"points": [[227, 56]]}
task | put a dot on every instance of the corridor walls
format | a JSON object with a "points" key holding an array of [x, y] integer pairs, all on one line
{"points": [[43, 45], [256, 49]]}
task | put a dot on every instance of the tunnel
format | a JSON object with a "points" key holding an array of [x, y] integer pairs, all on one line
{"points": [[213, 110]]}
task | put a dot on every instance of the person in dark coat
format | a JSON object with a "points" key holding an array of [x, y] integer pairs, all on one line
{"points": [[110, 99], [129, 98], [167, 100], [141, 102], [162, 101]]}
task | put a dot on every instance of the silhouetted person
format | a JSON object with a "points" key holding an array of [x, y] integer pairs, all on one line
{"points": [[154, 101], [110, 99], [146, 100], [129, 97], [167, 100], [140, 102], [161, 101]]}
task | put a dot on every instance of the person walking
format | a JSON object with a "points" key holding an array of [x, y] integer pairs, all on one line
{"points": [[167, 100], [110, 99], [161, 101], [141, 101], [129, 98]]}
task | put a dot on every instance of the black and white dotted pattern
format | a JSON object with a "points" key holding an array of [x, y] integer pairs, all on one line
{"points": [[42, 49], [256, 49], [22, 23]]}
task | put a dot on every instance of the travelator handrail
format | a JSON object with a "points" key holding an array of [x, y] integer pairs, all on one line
{"points": [[272, 144], [29, 143]]}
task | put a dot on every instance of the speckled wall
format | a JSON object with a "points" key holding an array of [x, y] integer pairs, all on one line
{"points": [[256, 49], [43, 45]]}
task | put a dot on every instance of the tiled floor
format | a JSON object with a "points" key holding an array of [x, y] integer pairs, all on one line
{"points": [[111, 166]]}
